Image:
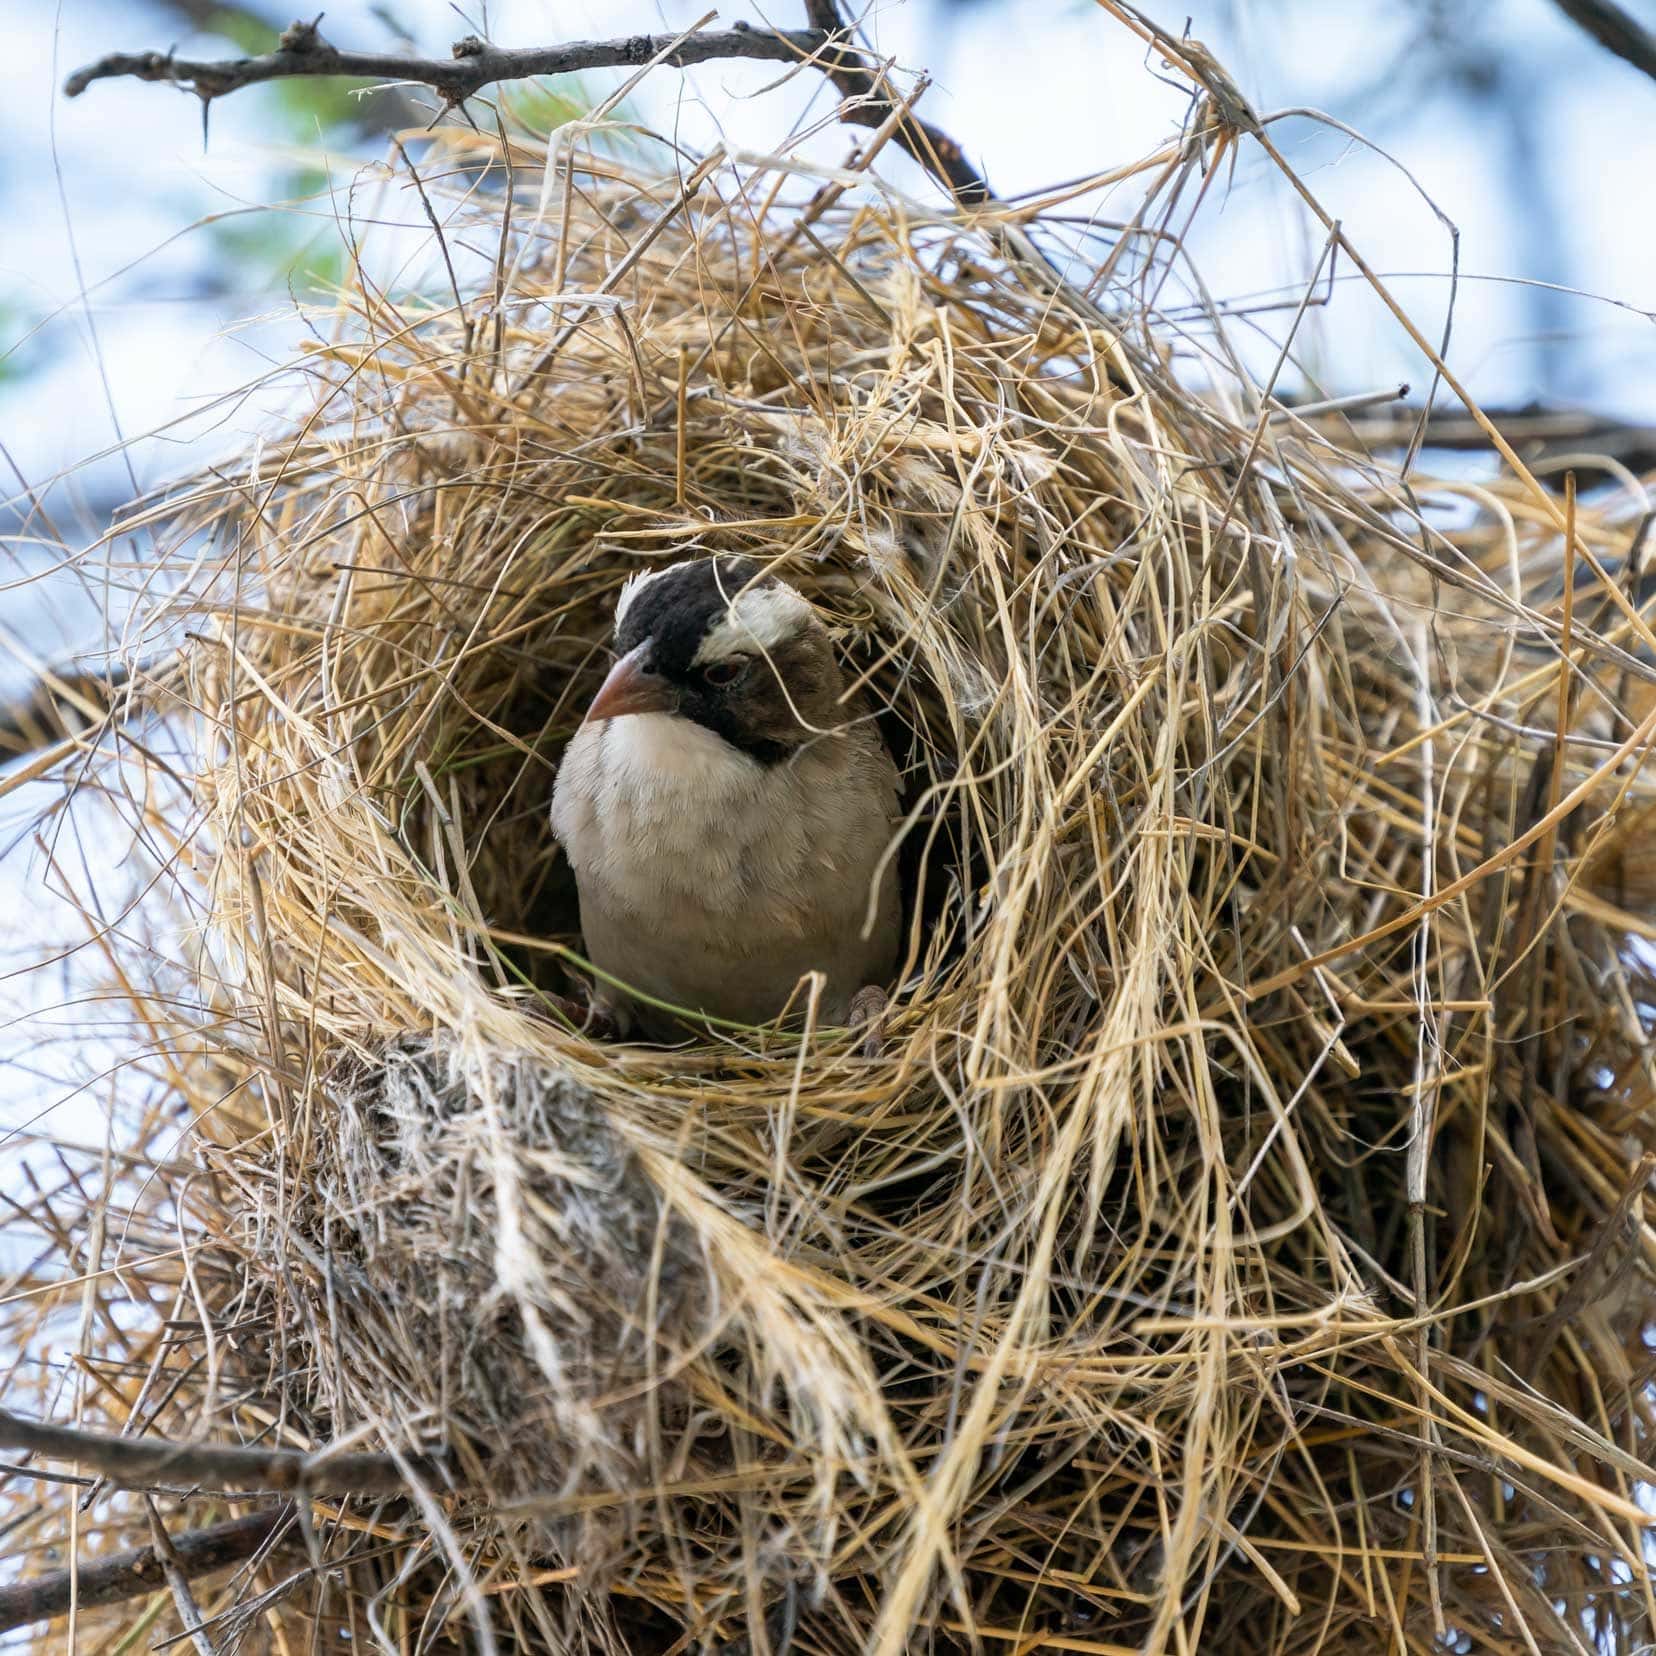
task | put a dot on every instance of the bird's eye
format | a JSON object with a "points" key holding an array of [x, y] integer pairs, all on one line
{"points": [[722, 673]]}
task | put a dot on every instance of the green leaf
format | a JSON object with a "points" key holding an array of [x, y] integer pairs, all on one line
{"points": [[19, 352], [302, 104], [249, 34]]}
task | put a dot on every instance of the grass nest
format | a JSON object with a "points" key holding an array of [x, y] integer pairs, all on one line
{"points": [[1239, 1239]]}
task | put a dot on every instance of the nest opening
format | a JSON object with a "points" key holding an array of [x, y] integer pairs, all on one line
{"points": [[511, 712]]}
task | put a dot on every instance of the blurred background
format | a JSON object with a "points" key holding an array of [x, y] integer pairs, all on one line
{"points": [[150, 283], [145, 279]]}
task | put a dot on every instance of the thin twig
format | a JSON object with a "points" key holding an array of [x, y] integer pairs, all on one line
{"points": [[141, 1463], [172, 1567], [138, 1570]]}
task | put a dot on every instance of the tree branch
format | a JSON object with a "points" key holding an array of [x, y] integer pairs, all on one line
{"points": [[390, 110], [1615, 30], [869, 103], [142, 1463], [476, 64], [1538, 430], [139, 1570]]}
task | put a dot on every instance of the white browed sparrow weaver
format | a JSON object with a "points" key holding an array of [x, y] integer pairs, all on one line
{"points": [[727, 815]]}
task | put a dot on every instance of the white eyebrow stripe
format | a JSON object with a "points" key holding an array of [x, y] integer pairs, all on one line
{"points": [[635, 584], [761, 617]]}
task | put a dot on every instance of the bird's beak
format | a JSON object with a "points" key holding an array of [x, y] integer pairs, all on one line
{"points": [[632, 688]]}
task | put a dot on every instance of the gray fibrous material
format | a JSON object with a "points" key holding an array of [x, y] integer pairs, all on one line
{"points": [[511, 1253]]}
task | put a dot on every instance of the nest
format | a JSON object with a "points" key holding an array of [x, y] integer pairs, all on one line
{"points": [[1238, 1239]]}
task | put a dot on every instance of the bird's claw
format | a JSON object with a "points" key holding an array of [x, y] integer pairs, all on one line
{"points": [[867, 1013], [590, 1016]]}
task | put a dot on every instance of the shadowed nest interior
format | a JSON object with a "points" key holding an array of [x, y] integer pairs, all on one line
{"points": [[1239, 1240]]}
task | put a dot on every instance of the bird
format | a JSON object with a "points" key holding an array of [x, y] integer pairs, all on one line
{"points": [[727, 811]]}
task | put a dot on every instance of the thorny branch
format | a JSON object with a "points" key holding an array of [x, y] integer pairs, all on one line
{"points": [[139, 1570], [475, 64], [140, 1463]]}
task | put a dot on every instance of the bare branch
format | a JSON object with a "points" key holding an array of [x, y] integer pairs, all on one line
{"points": [[139, 1570], [870, 103], [391, 109], [1540, 431], [1614, 29], [142, 1463], [475, 64]]}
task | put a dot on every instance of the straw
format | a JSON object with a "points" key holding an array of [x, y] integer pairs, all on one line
{"points": [[1240, 1239]]}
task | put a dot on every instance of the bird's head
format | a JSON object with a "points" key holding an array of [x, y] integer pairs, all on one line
{"points": [[722, 643]]}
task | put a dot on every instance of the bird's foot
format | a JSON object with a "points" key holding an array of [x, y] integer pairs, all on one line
{"points": [[600, 1021], [867, 1013], [590, 1015]]}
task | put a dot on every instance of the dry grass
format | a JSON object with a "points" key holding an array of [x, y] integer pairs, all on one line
{"points": [[1240, 1242]]}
